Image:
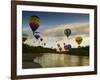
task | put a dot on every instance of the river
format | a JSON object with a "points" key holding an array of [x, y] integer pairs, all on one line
{"points": [[61, 60]]}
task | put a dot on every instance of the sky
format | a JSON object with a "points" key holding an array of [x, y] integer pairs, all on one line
{"points": [[52, 26]]}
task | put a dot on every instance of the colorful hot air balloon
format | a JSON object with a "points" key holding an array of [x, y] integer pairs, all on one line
{"points": [[67, 32], [79, 40], [37, 35], [34, 22]]}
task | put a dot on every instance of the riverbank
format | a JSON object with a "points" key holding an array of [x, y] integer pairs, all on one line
{"points": [[39, 50], [28, 60]]}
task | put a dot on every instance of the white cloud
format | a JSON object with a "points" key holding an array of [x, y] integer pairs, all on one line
{"points": [[56, 33], [76, 28]]}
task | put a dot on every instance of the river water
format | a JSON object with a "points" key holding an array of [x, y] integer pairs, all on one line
{"points": [[61, 60]]}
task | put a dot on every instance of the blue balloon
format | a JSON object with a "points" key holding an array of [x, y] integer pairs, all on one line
{"points": [[37, 35], [69, 46]]}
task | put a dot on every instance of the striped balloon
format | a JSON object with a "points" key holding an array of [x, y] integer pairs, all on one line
{"points": [[34, 23]]}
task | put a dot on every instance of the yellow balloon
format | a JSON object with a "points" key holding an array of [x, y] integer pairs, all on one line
{"points": [[79, 39], [34, 20]]}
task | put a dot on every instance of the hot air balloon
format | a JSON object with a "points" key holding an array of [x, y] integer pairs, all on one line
{"points": [[64, 44], [37, 35], [60, 49], [34, 22], [58, 45], [79, 40], [67, 32], [24, 37], [65, 47], [44, 44], [69, 46], [41, 39]]}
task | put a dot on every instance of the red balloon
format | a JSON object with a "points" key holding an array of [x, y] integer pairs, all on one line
{"points": [[24, 39]]}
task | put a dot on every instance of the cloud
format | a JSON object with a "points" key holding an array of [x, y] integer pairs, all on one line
{"points": [[56, 33], [76, 29]]}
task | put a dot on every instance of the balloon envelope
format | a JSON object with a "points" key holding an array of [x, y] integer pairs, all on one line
{"points": [[37, 35], [65, 47], [67, 32], [41, 39], [69, 46], [58, 45], [60, 48], [34, 23], [44, 44], [79, 39]]}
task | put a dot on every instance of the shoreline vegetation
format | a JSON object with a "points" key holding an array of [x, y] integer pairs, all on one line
{"points": [[81, 51], [31, 52]]}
